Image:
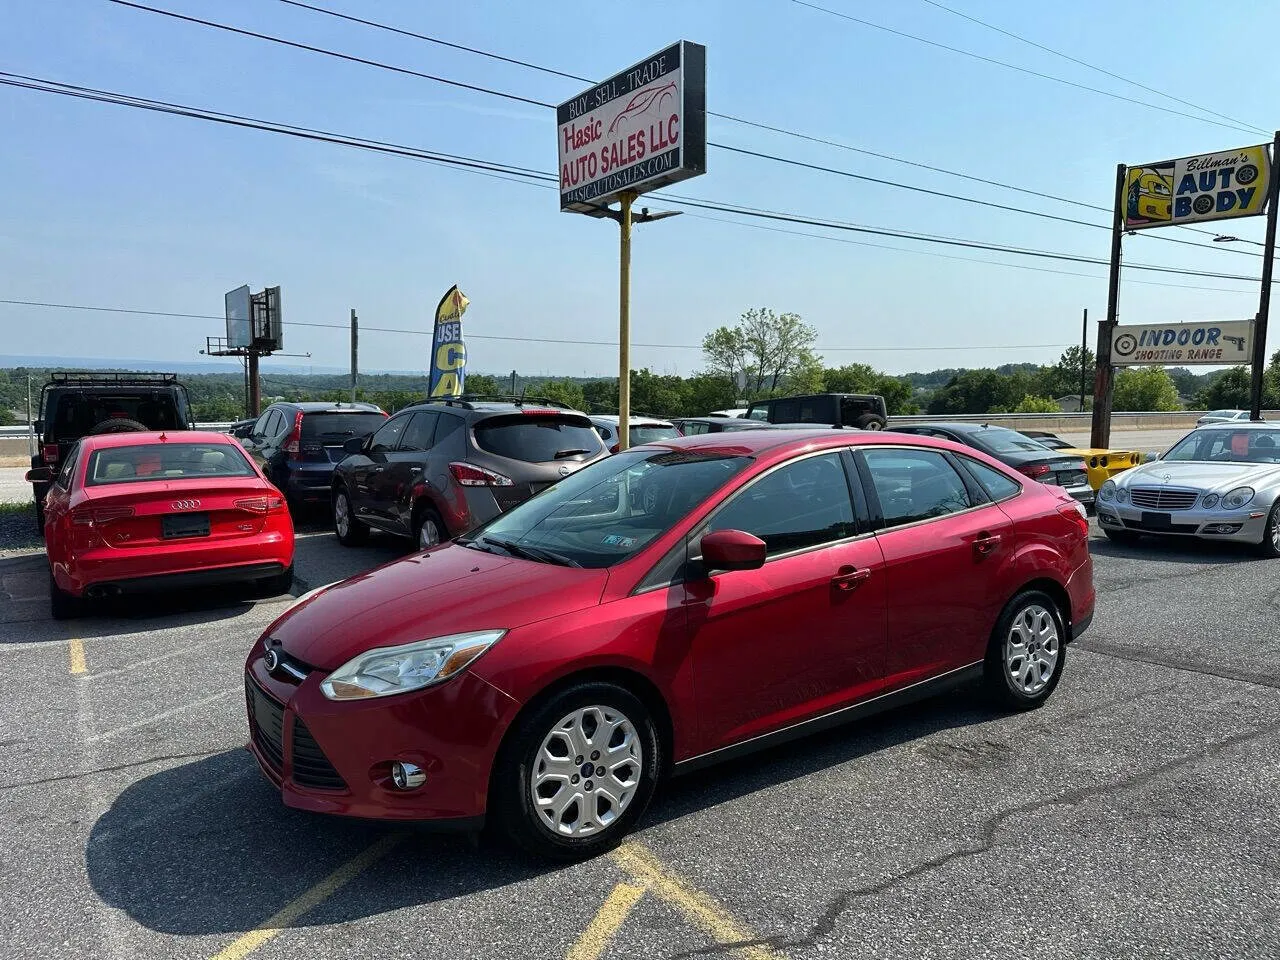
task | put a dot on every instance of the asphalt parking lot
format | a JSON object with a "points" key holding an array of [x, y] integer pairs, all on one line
{"points": [[1134, 815]]}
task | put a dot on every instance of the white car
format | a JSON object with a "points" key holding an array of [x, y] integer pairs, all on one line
{"points": [[642, 430], [1219, 482], [1224, 416]]}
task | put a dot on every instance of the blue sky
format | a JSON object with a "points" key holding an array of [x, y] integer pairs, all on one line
{"points": [[105, 205]]}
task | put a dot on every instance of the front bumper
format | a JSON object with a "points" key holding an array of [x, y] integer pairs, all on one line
{"points": [[1245, 526], [335, 757]]}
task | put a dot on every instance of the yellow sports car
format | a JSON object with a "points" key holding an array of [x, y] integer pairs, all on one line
{"points": [[1100, 464], [1150, 197]]}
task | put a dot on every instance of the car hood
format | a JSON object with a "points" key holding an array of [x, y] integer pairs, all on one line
{"points": [[1201, 475], [450, 589]]}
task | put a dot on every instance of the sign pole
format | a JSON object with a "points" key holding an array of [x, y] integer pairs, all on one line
{"points": [[1264, 298], [624, 320], [1084, 348], [1104, 383], [355, 352]]}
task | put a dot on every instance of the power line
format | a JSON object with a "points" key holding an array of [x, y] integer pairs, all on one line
{"points": [[475, 336], [1084, 63], [526, 100], [1245, 128], [473, 165]]}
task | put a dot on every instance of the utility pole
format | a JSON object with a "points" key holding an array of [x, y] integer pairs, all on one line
{"points": [[255, 385], [355, 353], [1084, 348], [513, 383], [1105, 381], [1264, 298]]}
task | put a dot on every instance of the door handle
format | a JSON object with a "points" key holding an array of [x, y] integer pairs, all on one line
{"points": [[986, 543], [378, 469], [848, 578]]}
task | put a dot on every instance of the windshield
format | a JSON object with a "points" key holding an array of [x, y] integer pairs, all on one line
{"points": [[340, 426], [611, 510], [78, 413], [1000, 440], [166, 461], [1228, 446], [649, 433], [538, 438]]}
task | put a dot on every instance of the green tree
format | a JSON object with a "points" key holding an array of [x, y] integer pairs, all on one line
{"points": [[704, 392], [1145, 388], [483, 383], [601, 396], [656, 394], [982, 391], [563, 391], [763, 349], [1031, 404], [1064, 377], [863, 378], [1230, 389]]}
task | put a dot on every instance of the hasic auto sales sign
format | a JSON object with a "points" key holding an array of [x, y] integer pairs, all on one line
{"points": [[637, 131]]}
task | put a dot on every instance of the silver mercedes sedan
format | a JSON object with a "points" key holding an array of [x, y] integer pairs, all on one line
{"points": [[1219, 482]]}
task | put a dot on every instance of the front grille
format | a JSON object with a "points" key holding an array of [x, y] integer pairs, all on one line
{"points": [[311, 768], [267, 725], [1159, 498]]}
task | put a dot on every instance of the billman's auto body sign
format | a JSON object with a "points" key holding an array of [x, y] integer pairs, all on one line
{"points": [[637, 131], [1212, 186]]}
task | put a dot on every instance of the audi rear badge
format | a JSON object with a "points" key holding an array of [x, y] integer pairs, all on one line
{"points": [[185, 505]]}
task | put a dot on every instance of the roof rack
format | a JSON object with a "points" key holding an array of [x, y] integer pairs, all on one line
{"points": [[105, 377], [519, 401]]}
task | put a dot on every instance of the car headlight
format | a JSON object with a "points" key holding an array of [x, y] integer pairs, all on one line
{"points": [[386, 671], [1210, 501], [1107, 491], [1237, 498]]}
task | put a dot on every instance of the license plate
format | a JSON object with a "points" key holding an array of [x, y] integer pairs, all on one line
{"points": [[1157, 520], [184, 525]]}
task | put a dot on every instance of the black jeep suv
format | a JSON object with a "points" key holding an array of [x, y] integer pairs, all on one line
{"points": [[75, 405], [866, 411], [437, 469]]}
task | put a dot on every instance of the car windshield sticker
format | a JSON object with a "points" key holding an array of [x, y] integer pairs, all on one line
{"points": [[613, 540]]}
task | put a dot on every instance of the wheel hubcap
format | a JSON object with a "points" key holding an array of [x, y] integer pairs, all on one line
{"points": [[586, 772], [1275, 528], [342, 515], [428, 535], [1031, 650]]}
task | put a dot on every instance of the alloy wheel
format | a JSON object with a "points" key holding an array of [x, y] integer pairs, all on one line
{"points": [[1031, 650], [428, 534], [342, 515], [1275, 527], [586, 772]]}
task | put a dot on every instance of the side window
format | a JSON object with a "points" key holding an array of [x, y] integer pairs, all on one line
{"points": [[447, 427], [65, 473], [260, 428], [915, 485], [802, 504], [785, 411], [388, 436], [275, 424], [760, 413], [693, 428], [419, 434], [997, 485]]}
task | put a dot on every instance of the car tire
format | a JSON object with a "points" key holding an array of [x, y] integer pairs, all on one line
{"points": [[281, 583], [350, 531], [118, 426], [1026, 653], [62, 605], [1270, 545], [1122, 537], [870, 421], [428, 529], [564, 728]]}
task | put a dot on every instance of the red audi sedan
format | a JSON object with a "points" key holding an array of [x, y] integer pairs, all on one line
{"points": [[547, 669], [137, 512]]}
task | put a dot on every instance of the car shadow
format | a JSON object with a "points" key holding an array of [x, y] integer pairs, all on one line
{"points": [[207, 848], [1174, 551]]}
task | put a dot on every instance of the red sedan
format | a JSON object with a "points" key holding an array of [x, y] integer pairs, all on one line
{"points": [[134, 512], [548, 668]]}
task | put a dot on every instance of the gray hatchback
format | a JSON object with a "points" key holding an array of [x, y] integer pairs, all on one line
{"points": [[437, 469]]}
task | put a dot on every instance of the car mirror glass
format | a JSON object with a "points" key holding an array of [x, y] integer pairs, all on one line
{"points": [[39, 475]]}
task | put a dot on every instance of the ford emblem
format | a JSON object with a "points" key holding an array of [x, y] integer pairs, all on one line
{"points": [[271, 659], [565, 470]]}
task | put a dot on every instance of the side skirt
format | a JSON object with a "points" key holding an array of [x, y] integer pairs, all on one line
{"points": [[857, 711]]}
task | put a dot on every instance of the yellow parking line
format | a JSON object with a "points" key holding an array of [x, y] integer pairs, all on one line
{"points": [[76, 653], [643, 866], [290, 912], [606, 922]]}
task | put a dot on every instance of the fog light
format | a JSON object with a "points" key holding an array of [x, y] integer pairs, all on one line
{"points": [[407, 776]]}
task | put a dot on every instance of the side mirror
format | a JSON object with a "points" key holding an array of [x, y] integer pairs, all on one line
{"points": [[39, 475], [732, 550], [1153, 455], [353, 445]]}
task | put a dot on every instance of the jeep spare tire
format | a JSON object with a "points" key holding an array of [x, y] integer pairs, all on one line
{"points": [[118, 426], [869, 421]]}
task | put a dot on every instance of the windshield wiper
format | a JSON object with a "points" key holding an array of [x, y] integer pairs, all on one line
{"points": [[569, 453], [532, 553]]}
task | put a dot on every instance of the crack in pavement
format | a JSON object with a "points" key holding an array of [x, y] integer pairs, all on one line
{"points": [[1116, 652], [110, 769], [845, 900]]}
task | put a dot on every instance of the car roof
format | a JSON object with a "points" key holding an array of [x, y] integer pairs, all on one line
{"points": [[782, 441], [103, 441], [328, 406], [463, 407], [638, 421], [1239, 425], [956, 427]]}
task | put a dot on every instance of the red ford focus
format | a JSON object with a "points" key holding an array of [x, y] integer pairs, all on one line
{"points": [[547, 669], [135, 512]]}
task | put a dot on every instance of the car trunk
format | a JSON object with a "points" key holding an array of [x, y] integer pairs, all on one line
{"points": [[133, 515], [1053, 469], [325, 431], [534, 449]]}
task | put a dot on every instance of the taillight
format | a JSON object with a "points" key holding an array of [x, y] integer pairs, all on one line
{"points": [[293, 443], [614, 448], [259, 504], [538, 412], [1076, 511], [472, 476], [87, 517], [1035, 470], [49, 452]]}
